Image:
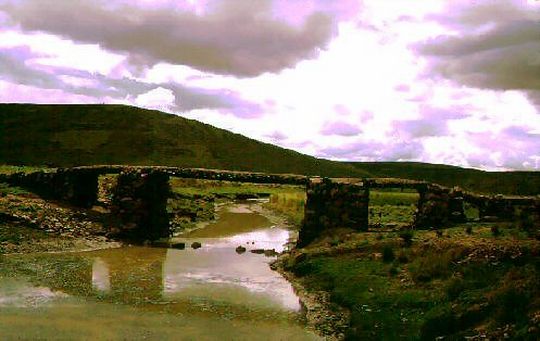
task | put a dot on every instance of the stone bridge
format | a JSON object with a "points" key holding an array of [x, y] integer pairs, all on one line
{"points": [[140, 197]]}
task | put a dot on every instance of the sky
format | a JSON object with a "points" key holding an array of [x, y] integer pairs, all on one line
{"points": [[441, 81]]}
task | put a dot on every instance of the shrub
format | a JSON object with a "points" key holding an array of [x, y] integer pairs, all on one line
{"points": [[432, 265], [438, 322], [406, 237], [394, 270], [525, 221], [402, 258], [510, 304], [455, 287], [388, 254]]}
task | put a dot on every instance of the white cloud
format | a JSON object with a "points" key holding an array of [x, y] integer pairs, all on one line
{"points": [[158, 98]]}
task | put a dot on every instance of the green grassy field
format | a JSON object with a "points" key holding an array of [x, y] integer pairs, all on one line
{"points": [[392, 208], [7, 169], [455, 285]]}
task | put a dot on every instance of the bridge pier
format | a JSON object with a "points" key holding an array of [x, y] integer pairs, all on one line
{"points": [[80, 187], [140, 202], [333, 204], [438, 206], [498, 208]]}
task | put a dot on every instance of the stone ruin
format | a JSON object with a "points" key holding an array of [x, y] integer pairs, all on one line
{"points": [[140, 202], [343, 203], [140, 198], [333, 204]]}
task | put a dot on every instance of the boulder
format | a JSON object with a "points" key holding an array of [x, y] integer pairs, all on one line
{"points": [[240, 249]]}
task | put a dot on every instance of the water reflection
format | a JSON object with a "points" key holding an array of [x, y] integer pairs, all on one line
{"points": [[212, 283], [100, 275], [157, 274]]}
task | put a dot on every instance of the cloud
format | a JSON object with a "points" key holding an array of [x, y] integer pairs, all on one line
{"points": [[495, 45], [340, 128], [277, 136], [233, 37], [514, 147], [19, 67], [13, 62], [374, 151], [156, 98], [420, 128]]}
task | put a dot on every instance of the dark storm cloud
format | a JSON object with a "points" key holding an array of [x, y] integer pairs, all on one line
{"points": [[497, 45], [234, 37]]}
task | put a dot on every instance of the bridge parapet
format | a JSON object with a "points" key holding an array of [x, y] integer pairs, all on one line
{"points": [[205, 174], [78, 187]]}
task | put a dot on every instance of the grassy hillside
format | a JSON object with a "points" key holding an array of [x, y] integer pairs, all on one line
{"points": [[524, 183], [69, 135]]}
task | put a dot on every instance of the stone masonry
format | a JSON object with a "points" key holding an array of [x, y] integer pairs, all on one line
{"points": [[333, 204], [140, 202], [141, 194]]}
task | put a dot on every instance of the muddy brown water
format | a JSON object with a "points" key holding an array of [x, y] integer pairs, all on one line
{"points": [[132, 293]]}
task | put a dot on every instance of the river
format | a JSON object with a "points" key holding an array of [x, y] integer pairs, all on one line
{"points": [[215, 292]]}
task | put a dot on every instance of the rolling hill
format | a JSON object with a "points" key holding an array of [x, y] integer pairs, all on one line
{"points": [[522, 183], [70, 135]]}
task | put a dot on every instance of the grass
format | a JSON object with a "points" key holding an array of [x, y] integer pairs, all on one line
{"points": [[17, 234], [380, 308], [457, 285], [283, 199], [290, 204], [69, 135], [6, 189], [520, 183], [193, 200], [8, 169], [227, 189], [392, 207]]}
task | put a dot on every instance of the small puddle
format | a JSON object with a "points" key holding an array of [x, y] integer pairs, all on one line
{"points": [[215, 292]]}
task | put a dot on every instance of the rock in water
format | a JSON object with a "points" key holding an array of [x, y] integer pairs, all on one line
{"points": [[240, 249], [270, 253], [196, 245], [179, 246]]}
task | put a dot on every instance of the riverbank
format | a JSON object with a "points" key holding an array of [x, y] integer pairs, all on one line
{"points": [[29, 224], [480, 281], [324, 317]]}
